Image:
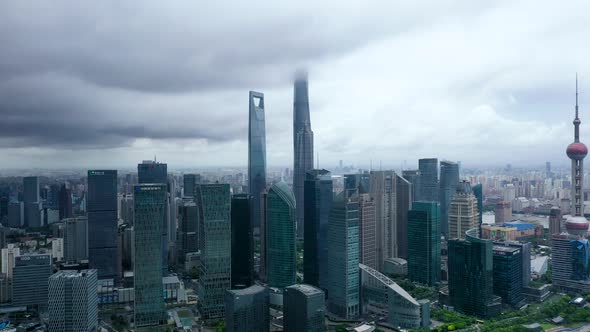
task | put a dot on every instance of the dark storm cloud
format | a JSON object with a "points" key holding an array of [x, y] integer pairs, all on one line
{"points": [[102, 74]]}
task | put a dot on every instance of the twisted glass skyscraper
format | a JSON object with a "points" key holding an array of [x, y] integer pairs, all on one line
{"points": [[302, 145], [256, 154]]}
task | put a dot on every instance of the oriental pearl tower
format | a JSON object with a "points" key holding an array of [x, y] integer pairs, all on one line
{"points": [[577, 151]]}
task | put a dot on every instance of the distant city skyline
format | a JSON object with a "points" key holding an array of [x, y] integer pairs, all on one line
{"points": [[382, 79]]}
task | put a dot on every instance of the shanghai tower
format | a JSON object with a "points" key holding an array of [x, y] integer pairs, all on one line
{"points": [[302, 145], [256, 154]]}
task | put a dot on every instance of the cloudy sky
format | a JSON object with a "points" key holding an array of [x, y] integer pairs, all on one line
{"points": [[109, 83]]}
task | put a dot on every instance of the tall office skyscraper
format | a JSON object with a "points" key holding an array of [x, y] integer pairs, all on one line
{"points": [[343, 258], [102, 222], [470, 276], [555, 220], [256, 153], [463, 212], [150, 207], [403, 196], [577, 151], [246, 310], [449, 179], [73, 301], [302, 145], [428, 190], [242, 249], [280, 236], [154, 172], [507, 275], [413, 176], [189, 182], [478, 192], [318, 202], [304, 308], [30, 281], [383, 185], [32, 199], [9, 255], [263, 268], [65, 202], [31, 189], [214, 205], [188, 230], [76, 239], [367, 228], [424, 243]]}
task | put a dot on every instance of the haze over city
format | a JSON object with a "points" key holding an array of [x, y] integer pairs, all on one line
{"points": [[106, 84]]}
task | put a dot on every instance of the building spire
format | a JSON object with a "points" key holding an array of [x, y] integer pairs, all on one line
{"points": [[576, 95], [577, 119]]}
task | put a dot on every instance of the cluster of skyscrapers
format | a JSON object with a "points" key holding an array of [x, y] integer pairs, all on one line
{"points": [[243, 245]]}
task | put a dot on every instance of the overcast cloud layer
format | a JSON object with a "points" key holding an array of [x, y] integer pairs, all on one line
{"points": [[107, 84]]}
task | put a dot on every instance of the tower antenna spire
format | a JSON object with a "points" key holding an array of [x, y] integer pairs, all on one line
{"points": [[576, 95]]}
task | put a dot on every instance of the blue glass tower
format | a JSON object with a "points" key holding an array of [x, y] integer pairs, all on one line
{"points": [[318, 203], [280, 236], [150, 206], [424, 243], [449, 179], [428, 190], [102, 222], [214, 205], [343, 258], [302, 145], [154, 172]]}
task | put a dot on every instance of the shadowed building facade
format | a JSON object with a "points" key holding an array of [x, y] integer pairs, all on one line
{"points": [[280, 236], [424, 243], [302, 145], [470, 276], [318, 202], [214, 204], [343, 258], [304, 308], [241, 242], [246, 310], [256, 153], [102, 222]]}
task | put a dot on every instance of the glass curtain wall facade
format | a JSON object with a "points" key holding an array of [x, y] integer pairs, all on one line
{"points": [[343, 258], [214, 205], [280, 236], [242, 254], [256, 153], [150, 207], [102, 222], [449, 179], [424, 243], [318, 202]]}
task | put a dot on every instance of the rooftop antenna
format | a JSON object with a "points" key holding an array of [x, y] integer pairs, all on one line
{"points": [[155, 160], [370, 165], [318, 160]]}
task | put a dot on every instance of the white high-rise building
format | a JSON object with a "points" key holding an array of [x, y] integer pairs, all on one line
{"points": [[8, 255], [73, 301]]}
